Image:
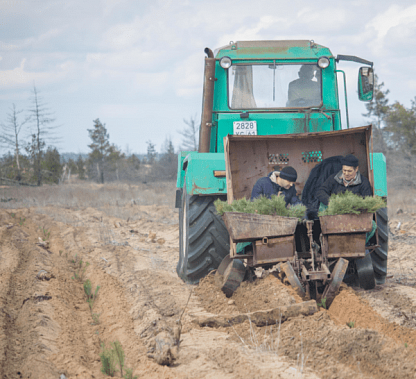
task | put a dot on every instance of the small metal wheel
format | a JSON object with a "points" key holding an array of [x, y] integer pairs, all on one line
{"points": [[229, 275], [365, 272], [293, 279], [336, 279]]}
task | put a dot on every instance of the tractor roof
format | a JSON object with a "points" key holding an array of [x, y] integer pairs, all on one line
{"points": [[291, 49]]}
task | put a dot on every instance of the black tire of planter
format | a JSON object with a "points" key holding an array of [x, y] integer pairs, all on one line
{"points": [[203, 238], [365, 272], [379, 255]]}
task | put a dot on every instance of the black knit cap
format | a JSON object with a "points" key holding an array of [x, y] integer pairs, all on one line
{"points": [[289, 173], [350, 160]]}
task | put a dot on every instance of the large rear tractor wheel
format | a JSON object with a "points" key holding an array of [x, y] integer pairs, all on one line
{"points": [[203, 237], [379, 255]]}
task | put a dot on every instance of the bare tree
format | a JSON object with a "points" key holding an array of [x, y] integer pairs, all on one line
{"points": [[190, 135], [43, 125], [11, 130]]}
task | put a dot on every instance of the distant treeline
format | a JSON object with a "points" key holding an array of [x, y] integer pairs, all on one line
{"points": [[29, 137], [105, 162], [394, 134]]}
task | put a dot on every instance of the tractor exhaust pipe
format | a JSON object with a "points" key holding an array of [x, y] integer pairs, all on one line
{"points": [[207, 102]]}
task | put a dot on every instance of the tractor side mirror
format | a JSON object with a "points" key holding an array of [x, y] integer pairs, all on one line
{"points": [[365, 83]]}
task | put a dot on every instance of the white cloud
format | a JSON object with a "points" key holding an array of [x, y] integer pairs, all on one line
{"points": [[20, 78], [324, 19], [383, 23]]}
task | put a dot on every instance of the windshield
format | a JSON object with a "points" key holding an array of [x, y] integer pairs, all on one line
{"points": [[274, 86]]}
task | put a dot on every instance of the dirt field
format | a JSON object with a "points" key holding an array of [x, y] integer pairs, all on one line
{"points": [[129, 236]]}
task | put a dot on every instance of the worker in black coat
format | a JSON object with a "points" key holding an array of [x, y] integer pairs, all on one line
{"points": [[348, 179], [280, 183]]}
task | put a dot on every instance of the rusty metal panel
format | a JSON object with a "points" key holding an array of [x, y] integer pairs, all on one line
{"points": [[348, 223], [246, 226], [274, 250], [346, 245], [248, 158]]}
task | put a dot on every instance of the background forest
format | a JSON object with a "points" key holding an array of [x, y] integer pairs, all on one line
{"points": [[30, 140]]}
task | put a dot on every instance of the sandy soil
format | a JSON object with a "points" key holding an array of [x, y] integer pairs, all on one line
{"points": [[129, 237]]}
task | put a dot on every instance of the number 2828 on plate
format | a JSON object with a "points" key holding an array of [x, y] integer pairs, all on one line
{"points": [[245, 128]]}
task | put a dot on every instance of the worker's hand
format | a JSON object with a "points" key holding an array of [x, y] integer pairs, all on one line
{"points": [[280, 193]]}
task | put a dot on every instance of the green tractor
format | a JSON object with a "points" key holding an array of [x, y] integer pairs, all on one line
{"points": [[268, 89]]}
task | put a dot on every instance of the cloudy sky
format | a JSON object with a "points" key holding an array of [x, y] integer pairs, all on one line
{"points": [[138, 65]]}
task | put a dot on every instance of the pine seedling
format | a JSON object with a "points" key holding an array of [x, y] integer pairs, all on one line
{"points": [[297, 211], [87, 289], [262, 205], [108, 360], [46, 233], [80, 269], [322, 303], [129, 374], [351, 324], [91, 297], [349, 203], [279, 206], [94, 297], [119, 353], [95, 318]]}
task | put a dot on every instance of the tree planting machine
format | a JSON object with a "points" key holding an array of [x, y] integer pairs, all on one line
{"points": [[267, 105]]}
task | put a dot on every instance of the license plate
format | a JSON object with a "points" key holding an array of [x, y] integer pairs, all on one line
{"points": [[245, 128]]}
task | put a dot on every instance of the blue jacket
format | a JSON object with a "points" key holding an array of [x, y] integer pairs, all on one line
{"points": [[264, 186]]}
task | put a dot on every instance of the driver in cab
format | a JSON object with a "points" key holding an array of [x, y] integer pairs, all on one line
{"points": [[304, 92]]}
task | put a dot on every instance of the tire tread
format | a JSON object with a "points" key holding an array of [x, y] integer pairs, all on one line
{"points": [[208, 238]]}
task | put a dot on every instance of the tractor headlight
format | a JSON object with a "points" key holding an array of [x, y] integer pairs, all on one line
{"points": [[225, 62], [323, 62]]}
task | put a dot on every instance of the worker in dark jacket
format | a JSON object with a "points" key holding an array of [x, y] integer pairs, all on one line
{"points": [[348, 179], [278, 183]]}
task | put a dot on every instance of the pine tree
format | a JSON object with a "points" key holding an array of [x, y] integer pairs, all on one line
{"points": [[100, 147], [80, 167], [401, 123], [151, 152], [51, 165], [35, 152], [169, 160]]}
